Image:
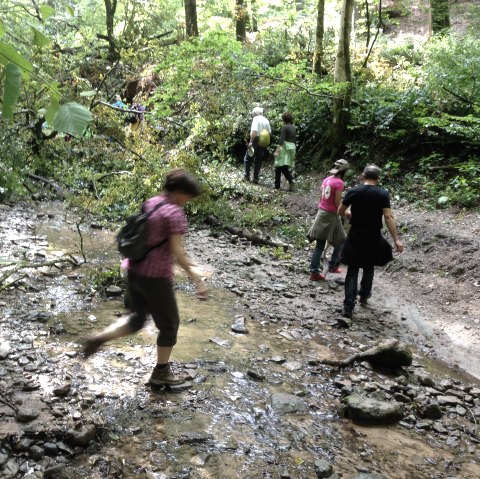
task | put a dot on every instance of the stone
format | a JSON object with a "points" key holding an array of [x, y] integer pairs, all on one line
{"points": [[287, 403], [82, 435], [372, 411], [323, 468], [225, 343], [194, 437], [50, 449], [5, 349], [27, 414], [62, 391], [113, 290], [432, 411], [449, 401], [239, 326], [371, 475], [424, 379], [36, 452]]}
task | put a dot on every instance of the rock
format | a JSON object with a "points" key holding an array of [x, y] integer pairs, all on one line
{"points": [[11, 468], [82, 434], [50, 449], [424, 379], [432, 411], [372, 475], [5, 349], [27, 414], [323, 468], [62, 391], [449, 401], [194, 438], [239, 326], [221, 342], [255, 375], [287, 403], [293, 365], [113, 290], [36, 452], [372, 411], [56, 472]]}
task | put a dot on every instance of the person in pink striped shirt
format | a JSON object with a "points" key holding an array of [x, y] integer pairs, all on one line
{"points": [[150, 281]]}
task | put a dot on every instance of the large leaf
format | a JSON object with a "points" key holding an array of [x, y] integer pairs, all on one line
{"points": [[39, 39], [2, 29], [52, 110], [72, 118], [13, 78], [46, 11], [8, 55], [70, 10]]}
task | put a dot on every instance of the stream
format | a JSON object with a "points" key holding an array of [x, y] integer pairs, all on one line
{"points": [[256, 405]]}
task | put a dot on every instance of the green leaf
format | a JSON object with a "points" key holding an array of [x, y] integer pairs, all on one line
{"points": [[39, 39], [72, 118], [70, 10], [13, 78], [52, 109], [2, 29], [88, 93], [8, 55], [46, 11]]}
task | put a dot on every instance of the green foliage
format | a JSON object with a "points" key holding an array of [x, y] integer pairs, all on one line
{"points": [[101, 278]]}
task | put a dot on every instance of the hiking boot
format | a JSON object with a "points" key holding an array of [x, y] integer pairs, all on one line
{"points": [[346, 313], [91, 346], [246, 178], [291, 186], [164, 376], [336, 270], [317, 277], [363, 300]]}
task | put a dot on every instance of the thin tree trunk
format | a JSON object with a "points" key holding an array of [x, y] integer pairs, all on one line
{"points": [[439, 16], [110, 9], [191, 23], [254, 8], [318, 53], [343, 74], [241, 15]]}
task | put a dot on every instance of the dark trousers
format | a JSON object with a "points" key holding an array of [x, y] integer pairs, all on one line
{"points": [[257, 159], [351, 285], [154, 296], [286, 173]]}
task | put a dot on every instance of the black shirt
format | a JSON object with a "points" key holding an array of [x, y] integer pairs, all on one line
{"points": [[366, 204], [288, 133]]}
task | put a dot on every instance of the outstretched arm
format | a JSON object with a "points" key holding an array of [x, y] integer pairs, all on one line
{"points": [[176, 245], [392, 227]]}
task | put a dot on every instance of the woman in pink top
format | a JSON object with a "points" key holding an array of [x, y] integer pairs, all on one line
{"points": [[150, 281], [328, 225]]}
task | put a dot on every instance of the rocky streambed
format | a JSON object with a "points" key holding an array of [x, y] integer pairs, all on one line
{"points": [[260, 400]]}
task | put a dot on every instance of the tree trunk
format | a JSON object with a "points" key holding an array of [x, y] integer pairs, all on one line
{"points": [[439, 16], [318, 53], [191, 18], [254, 8], [241, 15], [110, 8], [343, 74]]}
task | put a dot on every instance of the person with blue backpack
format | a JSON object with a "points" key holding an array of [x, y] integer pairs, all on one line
{"points": [[150, 276], [260, 132]]}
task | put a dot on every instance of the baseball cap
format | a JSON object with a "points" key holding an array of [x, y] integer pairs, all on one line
{"points": [[338, 166]]}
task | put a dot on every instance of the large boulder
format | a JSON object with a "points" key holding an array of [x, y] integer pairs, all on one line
{"points": [[368, 411]]}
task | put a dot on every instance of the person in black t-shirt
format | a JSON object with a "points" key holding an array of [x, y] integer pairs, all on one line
{"points": [[365, 247]]}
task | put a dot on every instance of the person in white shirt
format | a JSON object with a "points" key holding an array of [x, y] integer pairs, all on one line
{"points": [[259, 123]]}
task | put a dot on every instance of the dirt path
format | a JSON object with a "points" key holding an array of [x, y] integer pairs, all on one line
{"points": [[431, 292]]}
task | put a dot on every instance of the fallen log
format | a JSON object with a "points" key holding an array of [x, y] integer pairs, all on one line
{"points": [[391, 354], [58, 189], [255, 238]]}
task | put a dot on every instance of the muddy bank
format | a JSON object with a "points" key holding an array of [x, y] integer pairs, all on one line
{"points": [[257, 405]]}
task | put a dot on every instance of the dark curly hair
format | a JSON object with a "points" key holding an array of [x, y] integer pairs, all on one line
{"points": [[287, 117]]}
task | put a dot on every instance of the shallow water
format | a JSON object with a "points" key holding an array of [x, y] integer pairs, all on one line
{"points": [[241, 435]]}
